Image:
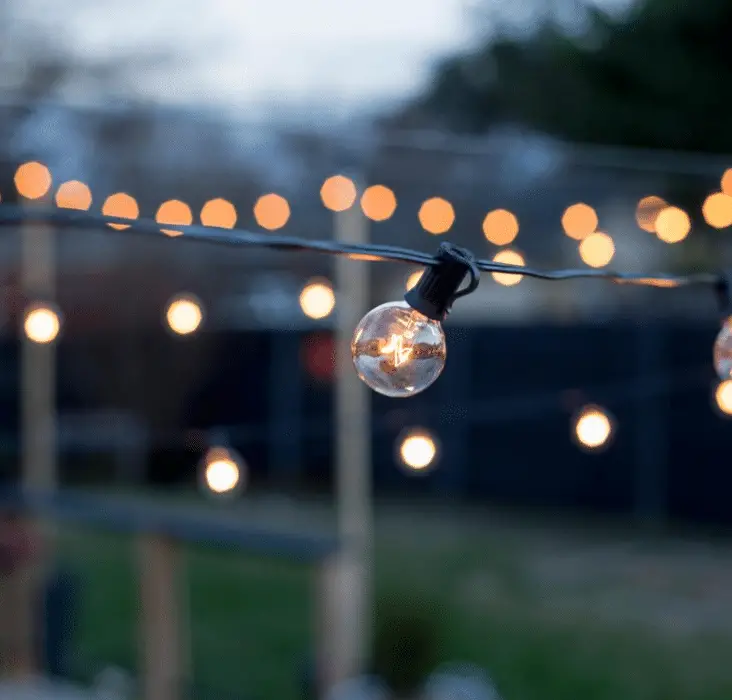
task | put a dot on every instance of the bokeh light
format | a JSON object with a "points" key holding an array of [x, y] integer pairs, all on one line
{"points": [[673, 225], [174, 212], [417, 450], [508, 257], [32, 180], [500, 227], [184, 314], [412, 280], [74, 195], [436, 215], [222, 471], [219, 213], [271, 211], [647, 212], [338, 193], [593, 428], [317, 299], [717, 210], [726, 182], [378, 203], [121, 205], [579, 221], [597, 249], [41, 324], [723, 397]]}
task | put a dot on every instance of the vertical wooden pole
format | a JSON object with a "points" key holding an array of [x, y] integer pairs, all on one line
{"points": [[350, 578], [163, 633], [38, 449], [38, 363]]}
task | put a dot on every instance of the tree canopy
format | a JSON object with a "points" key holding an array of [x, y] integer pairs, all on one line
{"points": [[659, 76]]}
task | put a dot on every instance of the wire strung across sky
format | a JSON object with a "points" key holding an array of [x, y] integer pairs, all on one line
{"points": [[11, 215]]}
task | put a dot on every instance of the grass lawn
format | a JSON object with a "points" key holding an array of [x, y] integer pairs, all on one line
{"points": [[551, 614]]}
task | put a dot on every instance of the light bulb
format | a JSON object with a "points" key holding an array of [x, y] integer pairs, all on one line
{"points": [[397, 351], [723, 351], [222, 472]]}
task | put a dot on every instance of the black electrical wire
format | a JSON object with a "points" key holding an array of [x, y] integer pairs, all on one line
{"points": [[12, 215]]}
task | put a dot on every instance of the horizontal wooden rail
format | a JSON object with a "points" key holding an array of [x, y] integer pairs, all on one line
{"points": [[160, 532]]}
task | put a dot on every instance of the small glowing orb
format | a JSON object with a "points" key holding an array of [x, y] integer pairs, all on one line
{"points": [[41, 324], [593, 428], [317, 300], [418, 450], [184, 315]]}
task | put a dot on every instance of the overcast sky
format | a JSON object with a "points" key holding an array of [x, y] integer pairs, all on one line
{"points": [[240, 52], [285, 49]]}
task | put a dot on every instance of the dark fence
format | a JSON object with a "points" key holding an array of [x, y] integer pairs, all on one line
{"points": [[502, 412]]}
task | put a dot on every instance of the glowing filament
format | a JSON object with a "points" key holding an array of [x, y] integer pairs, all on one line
{"points": [[396, 346]]}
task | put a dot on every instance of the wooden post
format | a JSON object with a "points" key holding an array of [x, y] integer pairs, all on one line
{"points": [[350, 576], [38, 456], [163, 633]]}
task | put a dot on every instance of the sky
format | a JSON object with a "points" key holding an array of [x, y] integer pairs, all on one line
{"points": [[296, 53], [236, 51]]}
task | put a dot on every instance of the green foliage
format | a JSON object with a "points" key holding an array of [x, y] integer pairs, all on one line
{"points": [[406, 643], [657, 77]]}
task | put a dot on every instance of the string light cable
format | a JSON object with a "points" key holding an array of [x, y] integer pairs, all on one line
{"points": [[399, 347]]}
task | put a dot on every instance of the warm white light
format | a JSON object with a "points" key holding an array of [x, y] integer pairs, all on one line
{"points": [[184, 315], [222, 475], [317, 300], [418, 450], [723, 397], [41, 324], [593, 428]]}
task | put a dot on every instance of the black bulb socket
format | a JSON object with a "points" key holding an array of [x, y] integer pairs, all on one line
{"points": [[440, 283]]}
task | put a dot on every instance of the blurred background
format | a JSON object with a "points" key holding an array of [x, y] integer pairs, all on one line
{"points": [[554, 510]]}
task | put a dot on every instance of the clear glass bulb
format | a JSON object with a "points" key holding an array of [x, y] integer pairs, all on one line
{"points": [[397, 351], [723, 351]]}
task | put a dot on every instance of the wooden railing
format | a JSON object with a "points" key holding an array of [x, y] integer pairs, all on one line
{"points": [[161, 532]]}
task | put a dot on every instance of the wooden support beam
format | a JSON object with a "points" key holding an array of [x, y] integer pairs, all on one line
{"points": [[163, 625]]}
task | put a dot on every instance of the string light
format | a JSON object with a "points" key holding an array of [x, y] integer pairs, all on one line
{"points": [[723, 397], [41, 323], [417, 450], [121, 206], [399, 348], [222, 471], [593, 428], [184, 314], [74, 195], [317, 300], [673, 225], [174, 212]]}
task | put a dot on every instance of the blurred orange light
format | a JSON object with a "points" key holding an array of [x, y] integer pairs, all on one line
{"points": [[508, 257], [647, 212], [723, 397], [174, 212], [32, 180], [673, 225], [500, 227], [436, 215], [121, 205], [271, 211], [317, 299], [219, 213], [726, 184], [413, 279], [184, 315], [74, 195], [579, 221], [597, 249], [338, 193], [717, 210], [378, 203]]}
